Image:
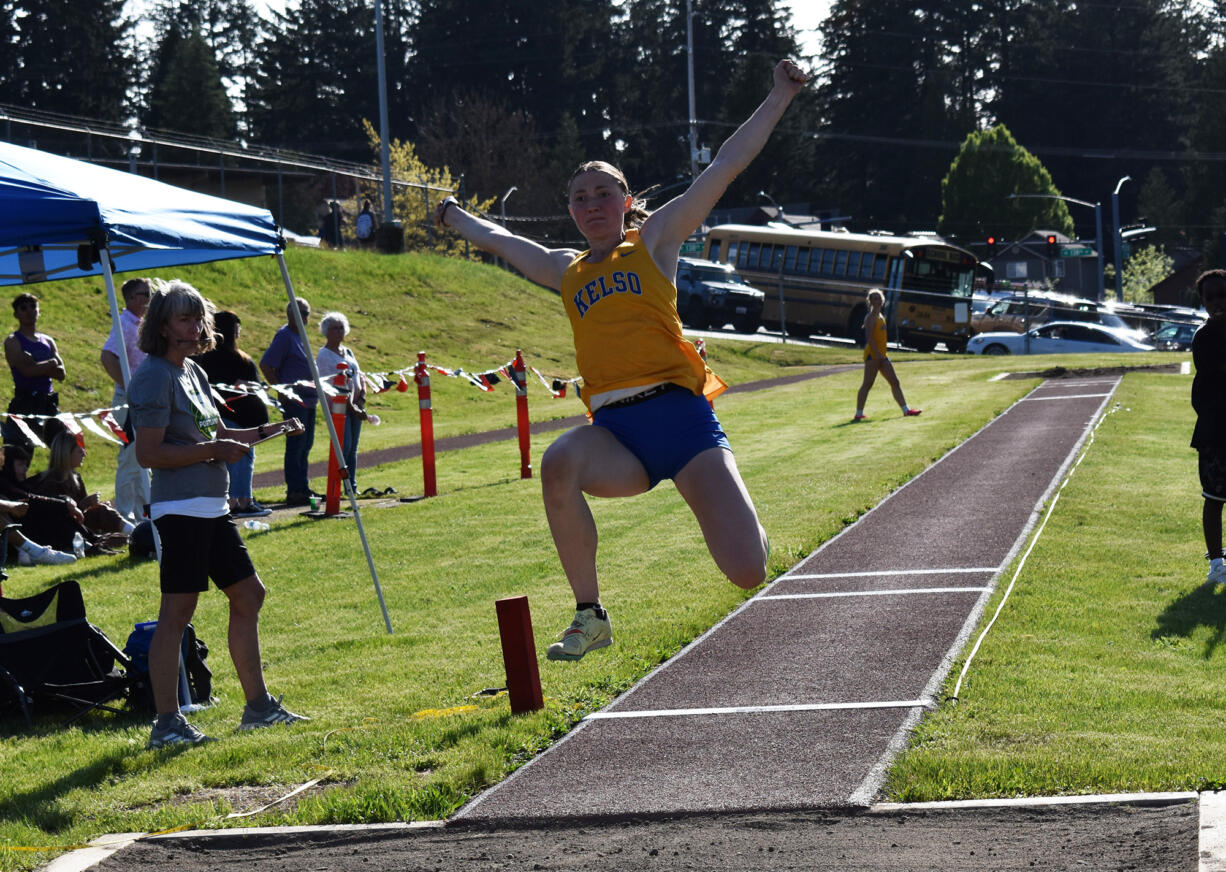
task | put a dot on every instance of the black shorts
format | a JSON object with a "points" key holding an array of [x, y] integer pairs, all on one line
{"points": [[193, 550], [1213, 475]]}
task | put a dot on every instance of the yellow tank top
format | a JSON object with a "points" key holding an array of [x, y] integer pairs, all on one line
{"points": [[879, 336], [623, 313]]}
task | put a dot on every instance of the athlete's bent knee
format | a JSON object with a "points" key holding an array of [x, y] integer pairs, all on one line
{"points": [[746, 571]]}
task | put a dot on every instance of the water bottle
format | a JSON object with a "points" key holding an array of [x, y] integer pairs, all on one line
{"points": [[254, 526], [78, 544]]}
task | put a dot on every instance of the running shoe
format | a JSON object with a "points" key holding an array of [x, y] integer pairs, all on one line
{"points": [[859, 418], [586, 632], [911, 413], [1217, 574], [41, 555], [276, 714], [179, 733], [251, 510]]}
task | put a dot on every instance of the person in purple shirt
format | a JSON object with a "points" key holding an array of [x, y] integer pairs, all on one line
{"points": [[286, 362], [34, 361]]}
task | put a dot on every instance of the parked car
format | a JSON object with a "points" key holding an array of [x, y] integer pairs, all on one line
{"points": [[1058, 337], [1012, 312], [1174, 336], [713, 294]]}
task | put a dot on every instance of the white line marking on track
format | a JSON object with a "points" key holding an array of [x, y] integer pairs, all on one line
{"points": [[1064, 397], [1160, 798], [758, 709], [1212, 839], [893, 592], [881, 572]]}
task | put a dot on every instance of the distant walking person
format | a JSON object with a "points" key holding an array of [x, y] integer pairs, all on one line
{"points": [[131, 481], [180, 436], [875, 358], [364, 225], [1209, 402], [643, 381], [34, 361]]}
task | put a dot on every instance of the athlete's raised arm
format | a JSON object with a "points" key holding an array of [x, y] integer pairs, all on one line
{"points": [[670, 225], [542, 265]]}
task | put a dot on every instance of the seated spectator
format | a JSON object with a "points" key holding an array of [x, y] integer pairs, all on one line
{"points": [[53, 521], [61, 479], [19, 511]]}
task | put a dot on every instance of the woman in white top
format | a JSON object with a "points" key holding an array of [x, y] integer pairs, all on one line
{"points": [[335, 327]]}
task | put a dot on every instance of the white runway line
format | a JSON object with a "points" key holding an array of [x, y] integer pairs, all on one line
{"points": [[808, 576], [757, 709], [1168, 798], [1064, 397], [99, 849], [902, 591], [1212, 832]]}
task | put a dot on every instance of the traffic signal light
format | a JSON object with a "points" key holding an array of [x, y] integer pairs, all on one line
{"points": [[992, 240], [1053, 248]]}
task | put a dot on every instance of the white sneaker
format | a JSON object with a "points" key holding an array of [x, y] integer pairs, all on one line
{"points": [[41, 554], [1217, 574], [585, 633]]}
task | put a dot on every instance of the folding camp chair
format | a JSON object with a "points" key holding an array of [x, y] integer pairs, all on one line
{"points": [[50, 655]]}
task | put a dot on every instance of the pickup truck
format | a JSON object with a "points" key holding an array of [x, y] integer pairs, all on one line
{"points": [[711, 294]]}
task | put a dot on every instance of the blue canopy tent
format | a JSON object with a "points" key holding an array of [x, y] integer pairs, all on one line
{"points": [[62, 218]]}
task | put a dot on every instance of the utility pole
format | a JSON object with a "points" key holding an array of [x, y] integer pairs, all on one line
{"points": [[383, 145], [689, 58], [1119, 239]]}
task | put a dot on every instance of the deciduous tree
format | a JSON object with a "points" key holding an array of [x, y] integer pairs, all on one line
{"points": [[974, 194]]}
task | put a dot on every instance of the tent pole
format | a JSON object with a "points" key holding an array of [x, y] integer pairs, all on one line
{"points": [[116, 325], [336, 442]]}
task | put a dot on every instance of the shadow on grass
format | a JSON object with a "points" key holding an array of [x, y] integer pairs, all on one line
{"points": [[41, 808], [1200, 607]]}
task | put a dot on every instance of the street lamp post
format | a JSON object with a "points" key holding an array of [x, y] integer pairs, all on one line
{"points": [[503, 206], [384, 154], [689, 63], [1119, 239], [778, 208], [1098, 228]]}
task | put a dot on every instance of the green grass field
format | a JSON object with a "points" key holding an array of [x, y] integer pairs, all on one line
{"points": [[1111, 624]]}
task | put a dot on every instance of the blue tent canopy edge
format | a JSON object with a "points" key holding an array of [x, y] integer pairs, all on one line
{"points": [[50, 206]]}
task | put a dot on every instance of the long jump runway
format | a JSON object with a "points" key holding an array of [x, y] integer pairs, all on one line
{"points": [[799, 699]]}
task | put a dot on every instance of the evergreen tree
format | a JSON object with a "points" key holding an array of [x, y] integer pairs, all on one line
{"points": [[9, 40], [316, 79], [230, 28], [544, 58], [885, 112], [1205, 173], [188, 95], [991, 166], [786, 167], [70, 60], [1090, 78]]}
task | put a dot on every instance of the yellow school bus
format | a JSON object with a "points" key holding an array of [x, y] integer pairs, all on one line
{"points": [[815, 281]]}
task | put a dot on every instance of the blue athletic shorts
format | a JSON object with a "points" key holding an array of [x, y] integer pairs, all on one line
{"points": [[665, 432]]}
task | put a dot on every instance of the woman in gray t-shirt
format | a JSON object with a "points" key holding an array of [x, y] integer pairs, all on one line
{"points": [[180, 436]]}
